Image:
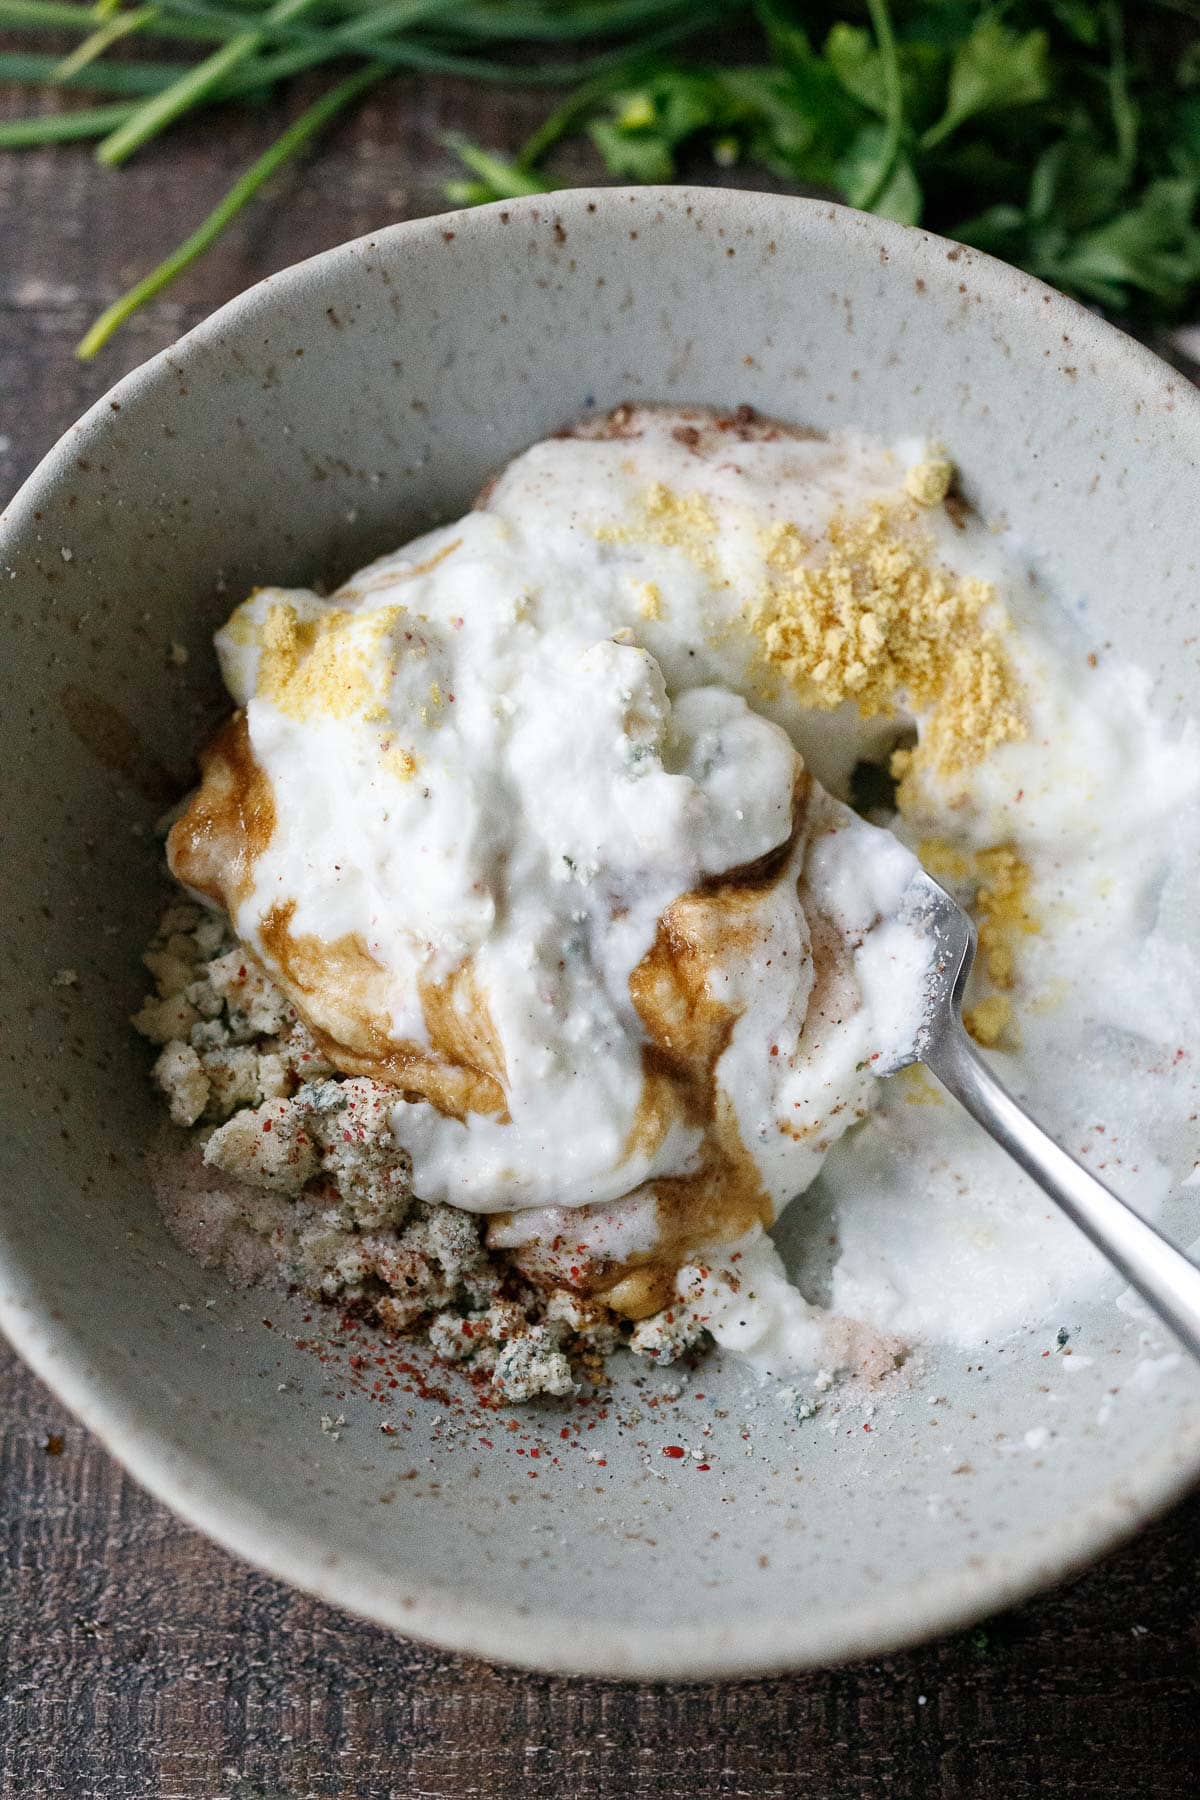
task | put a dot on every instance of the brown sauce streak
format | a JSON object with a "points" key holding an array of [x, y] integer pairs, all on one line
{"points": [[229, 822], [459, 1022], [687, 1033], [342, 993], [338, 988]]}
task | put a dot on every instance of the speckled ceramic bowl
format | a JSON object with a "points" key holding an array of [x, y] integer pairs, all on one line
{"points": [[306, 427]]}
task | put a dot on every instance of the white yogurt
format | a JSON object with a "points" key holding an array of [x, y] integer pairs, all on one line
{"points": [[530, 732], [536, 728]]}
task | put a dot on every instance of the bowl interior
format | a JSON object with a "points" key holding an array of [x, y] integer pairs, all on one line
{"points": [[315, 422]]}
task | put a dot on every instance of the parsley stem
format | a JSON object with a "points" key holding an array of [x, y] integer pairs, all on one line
{"points": [[281, 151], [1124, 113], [893, 91], [564, 116]]}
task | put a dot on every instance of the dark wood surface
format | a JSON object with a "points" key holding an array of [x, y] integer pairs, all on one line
{"points": [[137, 1662]]}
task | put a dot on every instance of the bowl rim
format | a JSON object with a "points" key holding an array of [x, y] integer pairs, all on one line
{"points": [[431, 1611]]}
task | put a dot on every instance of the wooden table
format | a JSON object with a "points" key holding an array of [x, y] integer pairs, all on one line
{"points": [[137, 1662]]}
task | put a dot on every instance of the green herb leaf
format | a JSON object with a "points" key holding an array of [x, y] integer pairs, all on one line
{"points": [[869, 170], [994, 69], [1151, 251], [858, 63], [496, 178], [1063, 135]]}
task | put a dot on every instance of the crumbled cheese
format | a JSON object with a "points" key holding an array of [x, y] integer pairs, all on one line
{"points": [[164, 1020], [269, 1146], [179, 1075], [532, 1364], [668, 1334]]}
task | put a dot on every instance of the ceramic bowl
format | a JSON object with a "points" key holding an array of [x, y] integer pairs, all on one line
{"points": [[314, 423]]}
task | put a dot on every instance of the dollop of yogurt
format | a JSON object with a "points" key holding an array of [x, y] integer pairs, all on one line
{"points": [[541, 849], [534, 820]]}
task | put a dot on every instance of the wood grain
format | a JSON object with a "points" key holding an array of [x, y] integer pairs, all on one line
{"points": [[137, 1662]]}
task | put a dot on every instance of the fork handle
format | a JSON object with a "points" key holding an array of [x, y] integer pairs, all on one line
{"points": [[1160, 1271]]}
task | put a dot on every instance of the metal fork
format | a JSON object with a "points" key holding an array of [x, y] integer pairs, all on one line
{"points": [[1160, 1272]]}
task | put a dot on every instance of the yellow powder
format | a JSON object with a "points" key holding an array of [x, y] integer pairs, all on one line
{"points": [[878, 623], [241, 627], [928, 482], [398, 762], [1000, 903], [429, 714], [946, 862], [918, 1088], [676, 521], [329, 667], [988, 1021], [1002, 906], [650, 605]]}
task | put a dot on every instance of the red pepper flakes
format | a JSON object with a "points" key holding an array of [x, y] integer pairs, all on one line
{"points": [[565, 1432], [674, 1450], [704, 1467], [266, 1124], [388, 1430]]}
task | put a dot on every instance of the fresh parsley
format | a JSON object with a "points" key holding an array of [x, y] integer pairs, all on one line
{"points": [[1062, 135]]}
